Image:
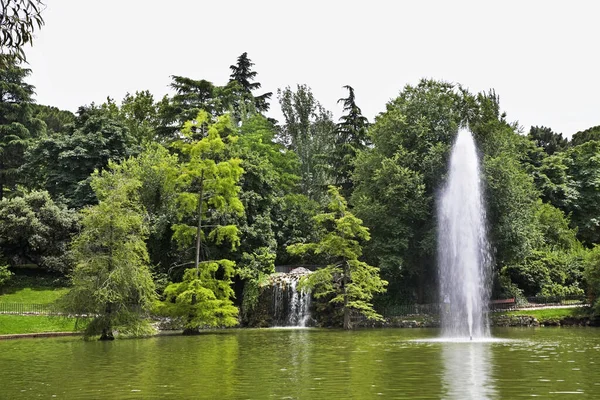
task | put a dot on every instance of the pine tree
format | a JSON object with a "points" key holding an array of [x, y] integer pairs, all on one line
{"points": [[243, 74], [351, 283], [351, 137], [17, 124]]}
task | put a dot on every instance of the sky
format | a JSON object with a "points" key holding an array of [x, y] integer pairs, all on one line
{"points": [[541, 57]]}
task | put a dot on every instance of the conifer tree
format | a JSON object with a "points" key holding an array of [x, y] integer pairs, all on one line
{"points": [[242, 73], [210, 191], [111, 279], [17, 124], [351, 137], [350, 282]]}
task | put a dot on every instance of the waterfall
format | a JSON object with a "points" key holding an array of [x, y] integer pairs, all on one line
{"points": [[291, 307], [463, 252]]}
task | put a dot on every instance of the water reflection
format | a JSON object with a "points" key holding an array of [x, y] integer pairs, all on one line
{"points": [[467, 371]]}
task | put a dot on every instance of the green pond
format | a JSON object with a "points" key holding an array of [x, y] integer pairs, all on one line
{"points": [[556, 363]]}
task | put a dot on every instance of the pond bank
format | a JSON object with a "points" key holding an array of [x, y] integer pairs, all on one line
{"points": [[516, 319], [38, 335]]}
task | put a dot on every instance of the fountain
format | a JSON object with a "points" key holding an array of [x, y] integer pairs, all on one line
{"points": [[291, 307], [463, 252]]}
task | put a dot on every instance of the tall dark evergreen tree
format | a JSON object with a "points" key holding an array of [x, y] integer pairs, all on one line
{"points": [[582, 137], [190, 97], [17, 124], [351, 137], [548, 140], [243, 74]]}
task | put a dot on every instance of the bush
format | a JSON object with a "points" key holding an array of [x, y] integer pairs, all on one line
{"points": [[34, 230], [5, 274]]}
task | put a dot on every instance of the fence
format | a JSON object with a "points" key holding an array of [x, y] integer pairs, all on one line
{"points": [[24, 308], [410, 309], [540, 301]]}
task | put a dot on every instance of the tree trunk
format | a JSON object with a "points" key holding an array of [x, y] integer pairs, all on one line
{"points": [[199, 232], [345, 280], [1, 181], [107, 333]]}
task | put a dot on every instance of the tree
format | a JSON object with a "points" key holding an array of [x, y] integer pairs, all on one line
{"points": [[350, 140], [585, 136], [140, 114], [111, 279], [546, 139], [554, 182], [210, 192], [56, 120], [351, 282], [583, 162], [18, 22], [242, 74], [592, 275], [17, 124], [310, 132], [64, 162], [396, 183], [36, 230], [191, 96]]}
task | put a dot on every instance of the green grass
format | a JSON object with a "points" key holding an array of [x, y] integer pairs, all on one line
{"points": [[549, 313], [13, 324], [33, 289], [41, 295]]}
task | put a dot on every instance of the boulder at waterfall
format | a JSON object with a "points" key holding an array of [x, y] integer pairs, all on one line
{"points": [[280, 302]]}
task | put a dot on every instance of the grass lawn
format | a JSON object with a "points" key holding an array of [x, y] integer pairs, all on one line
{"points": [[12, 324], [41, 295], [32, 290], [549, 313]]}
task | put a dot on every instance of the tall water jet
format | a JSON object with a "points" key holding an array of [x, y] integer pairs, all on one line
{"points": [[463, 251]]}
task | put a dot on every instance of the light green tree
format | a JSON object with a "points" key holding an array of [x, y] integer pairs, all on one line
{"points": [[111, 279], [351, 282], [210, 181], [309, 131]]}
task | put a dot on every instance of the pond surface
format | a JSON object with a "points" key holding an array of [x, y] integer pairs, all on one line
{"points": [[555, 363]]}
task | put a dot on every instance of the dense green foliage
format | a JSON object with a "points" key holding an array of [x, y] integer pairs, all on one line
{"points": [[347, 281], [111, 279], [36, 230], [18, 126], [208, 195]]}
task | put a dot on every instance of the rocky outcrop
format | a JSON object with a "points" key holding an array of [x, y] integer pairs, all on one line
{"points": [[280, 303]]}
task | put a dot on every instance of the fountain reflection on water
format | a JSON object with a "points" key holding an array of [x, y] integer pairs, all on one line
{"points": [[468, 371], [463, 254]]}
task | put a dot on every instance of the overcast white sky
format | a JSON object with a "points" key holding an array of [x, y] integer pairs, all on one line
{"points": [[541, 57]]}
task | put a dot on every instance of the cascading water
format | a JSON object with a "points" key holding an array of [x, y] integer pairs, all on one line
{"points": [[291, 307], [463, 252]]}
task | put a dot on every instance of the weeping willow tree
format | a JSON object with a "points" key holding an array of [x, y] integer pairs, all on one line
{"points": [[111, 280]]}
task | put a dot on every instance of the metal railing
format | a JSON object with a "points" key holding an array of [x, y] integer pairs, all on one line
{"points": [[25, 308], [410, 309]]}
